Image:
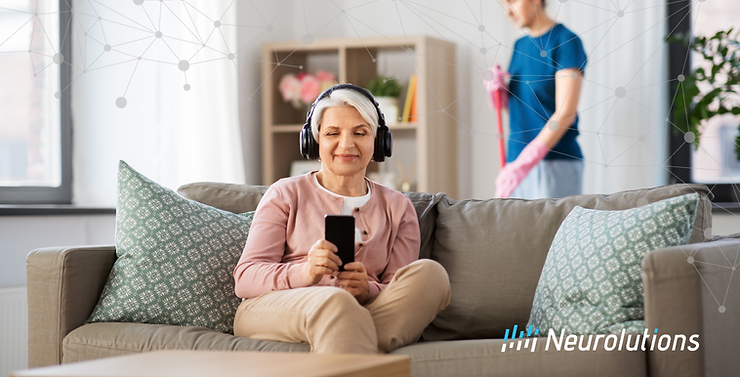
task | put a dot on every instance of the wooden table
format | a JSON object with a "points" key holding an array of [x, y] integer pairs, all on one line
{"points": [[230, 363]]}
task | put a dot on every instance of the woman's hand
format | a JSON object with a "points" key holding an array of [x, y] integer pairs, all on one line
{"points": [[322, 260], [354, 281]]}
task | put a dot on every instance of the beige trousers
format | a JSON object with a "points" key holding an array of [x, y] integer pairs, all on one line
{"points": [[331, 320]]}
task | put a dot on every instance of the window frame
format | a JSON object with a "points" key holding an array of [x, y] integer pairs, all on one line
{"points": [[726, 195], [61, 194]]}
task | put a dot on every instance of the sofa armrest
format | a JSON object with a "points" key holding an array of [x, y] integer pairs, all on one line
{"points": [[694, 298], [64, 284]]}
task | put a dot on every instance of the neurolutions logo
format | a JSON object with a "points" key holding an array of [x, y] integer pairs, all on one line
{"points": [[608, 342]]}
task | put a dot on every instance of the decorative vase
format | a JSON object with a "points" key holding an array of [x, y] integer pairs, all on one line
{"points": [[389, 107]]}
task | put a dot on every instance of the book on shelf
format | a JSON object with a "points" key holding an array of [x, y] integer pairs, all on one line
{"points": [[409, 107]]}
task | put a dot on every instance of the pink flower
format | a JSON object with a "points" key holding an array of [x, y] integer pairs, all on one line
{"points": [[310, 89], [325, 76], [290, 88]]}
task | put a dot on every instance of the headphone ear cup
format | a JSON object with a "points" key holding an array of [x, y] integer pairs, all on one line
{"points": [[309, 146], [383, 144]]}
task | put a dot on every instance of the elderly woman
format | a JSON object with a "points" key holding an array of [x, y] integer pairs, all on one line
{"points": [[289, 274]]}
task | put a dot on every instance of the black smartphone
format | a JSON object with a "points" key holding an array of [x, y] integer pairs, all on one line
{"points": [[340, 230]]}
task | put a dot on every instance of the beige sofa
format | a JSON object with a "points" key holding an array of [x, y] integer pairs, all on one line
{"points": [[493, 250]]}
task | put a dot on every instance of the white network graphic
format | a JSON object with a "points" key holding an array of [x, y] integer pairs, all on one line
{"points": [[178, 35]]}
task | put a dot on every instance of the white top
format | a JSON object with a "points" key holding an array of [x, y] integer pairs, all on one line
{"points": [[349, 204]]}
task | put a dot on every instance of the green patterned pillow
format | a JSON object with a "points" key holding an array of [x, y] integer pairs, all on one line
{"points": [[175, 258], [591, 280]]}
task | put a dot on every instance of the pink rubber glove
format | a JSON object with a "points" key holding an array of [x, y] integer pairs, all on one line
{"points": [[497, 85], [513, 173]]}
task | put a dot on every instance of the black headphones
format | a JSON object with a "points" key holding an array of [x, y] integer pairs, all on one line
{"points": [[383, 137]]}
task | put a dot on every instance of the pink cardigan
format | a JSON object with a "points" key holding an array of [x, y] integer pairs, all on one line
{"points": [[290, 219]]}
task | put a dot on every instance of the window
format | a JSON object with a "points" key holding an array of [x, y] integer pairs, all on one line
{"points": [[35, 123], [715, 163]]}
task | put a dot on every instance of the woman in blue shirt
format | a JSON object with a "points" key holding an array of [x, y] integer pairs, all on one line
{"points": [[547, 66]]}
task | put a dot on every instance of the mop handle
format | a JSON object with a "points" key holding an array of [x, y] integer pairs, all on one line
{"points": [[501, 151]]}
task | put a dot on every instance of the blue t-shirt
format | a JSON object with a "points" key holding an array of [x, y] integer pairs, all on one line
{"points": [[532, 87]]}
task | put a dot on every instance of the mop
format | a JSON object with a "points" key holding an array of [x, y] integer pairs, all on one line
{"points": [[498, 99]]}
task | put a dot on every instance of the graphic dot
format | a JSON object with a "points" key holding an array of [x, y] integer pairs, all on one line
{"points": [[139, 58], [121, 102], [690, 260], [681, 78], [203, 45], [186, 87], [641, 202], [158, 34], [481, 27], [231, 56], [483, 50], [488, 75], [217, 23], [620, 92], [527, 82], [689, 137], [300, 66], [543, 53], [138, 2], [708, 233], [620, 14], [574, 75], [106, 48], [499, 136], [400, 119], [279, 64], [57, 95], [553, 125], [269, 27], [58, 58], [410, 51], [722, 307], [308, 39], [375, 60], [183, 65], [443, 110], [29, 50]]}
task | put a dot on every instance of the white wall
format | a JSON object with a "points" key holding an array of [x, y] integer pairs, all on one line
{"points": [[19, 235]]}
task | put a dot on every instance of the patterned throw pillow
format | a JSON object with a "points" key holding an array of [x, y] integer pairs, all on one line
{"points": [[591, 280], [175, 259]]}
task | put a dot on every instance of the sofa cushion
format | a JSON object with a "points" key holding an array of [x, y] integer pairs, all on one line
{"points": [[241, 198], [175, 258], [226, 196], [483, 357], [591, 280], [494, 250], [98, 340]]}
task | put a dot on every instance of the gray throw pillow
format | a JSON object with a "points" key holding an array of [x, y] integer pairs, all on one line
{"points": [[175, 258], [591, 280]]}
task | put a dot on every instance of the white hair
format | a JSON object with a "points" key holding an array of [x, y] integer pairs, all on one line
{"points": [[345, 97]]}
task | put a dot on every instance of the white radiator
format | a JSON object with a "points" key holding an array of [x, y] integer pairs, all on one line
{"points": [[13, 330]]}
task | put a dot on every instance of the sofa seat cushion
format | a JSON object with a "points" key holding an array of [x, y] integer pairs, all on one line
{"points": [[98, 340], [494, 250], [483, 357]]}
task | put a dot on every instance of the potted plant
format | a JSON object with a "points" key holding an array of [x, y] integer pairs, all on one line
{"points": [[713, 88], [386, 91]]}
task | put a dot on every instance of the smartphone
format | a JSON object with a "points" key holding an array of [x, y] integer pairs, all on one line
{"points": [[340, 230]]}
